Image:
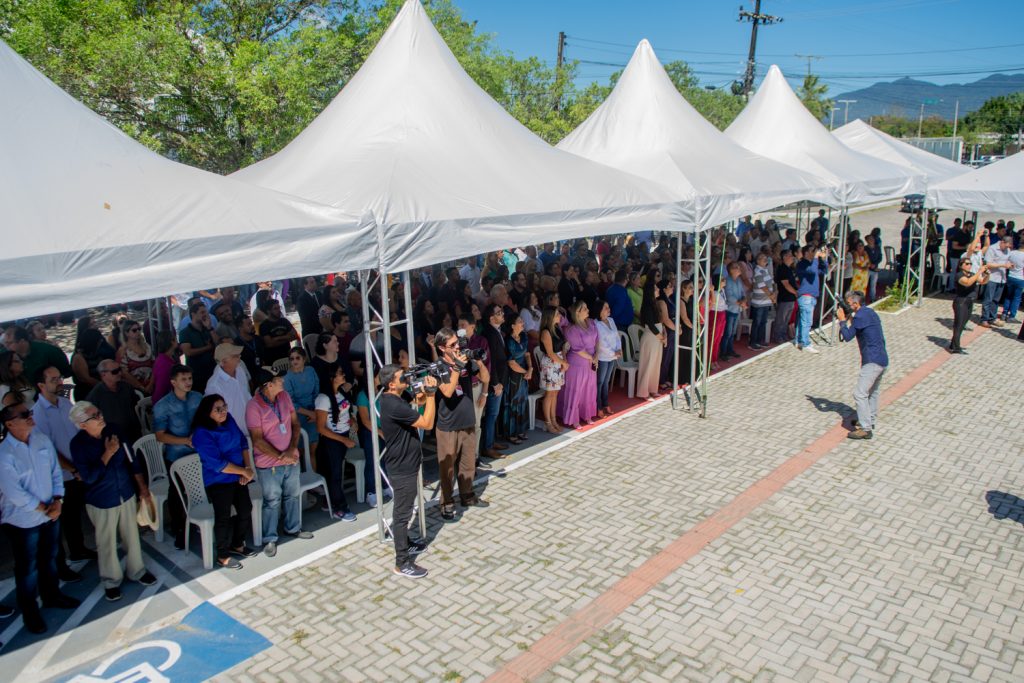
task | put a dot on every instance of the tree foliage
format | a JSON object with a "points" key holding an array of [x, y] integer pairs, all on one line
{"points": [[814, 94], [1002, 115], [903, 127], [220, 84]]}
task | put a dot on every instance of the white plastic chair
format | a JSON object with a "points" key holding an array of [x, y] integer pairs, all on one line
{"points": [[308, 479], [357, 458], [256, 496], [939, 274], [309, 344], [281, 365], [634, 332], [144, 412], [746, 323], [890, 258], [187, 473], [628, 366], [152, 453]]}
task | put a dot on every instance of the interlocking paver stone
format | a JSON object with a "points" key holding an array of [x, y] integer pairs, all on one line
{"points": [[880, 562]]}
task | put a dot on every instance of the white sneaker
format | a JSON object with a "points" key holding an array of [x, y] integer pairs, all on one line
{"points": [[371, 499], [810, 349]]}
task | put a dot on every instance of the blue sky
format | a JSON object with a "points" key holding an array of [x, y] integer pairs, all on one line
{"points": [[849, 36]]}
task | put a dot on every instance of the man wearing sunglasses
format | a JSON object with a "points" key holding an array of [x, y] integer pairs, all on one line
{"points": [[116, 400], [31, 490]]}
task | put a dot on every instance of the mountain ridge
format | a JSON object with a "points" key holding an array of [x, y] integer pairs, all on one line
{"points": [[904, 96]]}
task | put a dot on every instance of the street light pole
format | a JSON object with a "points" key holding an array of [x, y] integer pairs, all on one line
{"points": [[832, 117], [846, 114]]}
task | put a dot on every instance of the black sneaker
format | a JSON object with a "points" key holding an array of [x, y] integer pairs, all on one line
{"points": [[113, 594], [447, 513], [411, 570], [416, 547], [245, 551], [68, 575], [34, 622], [179, 542], [147, 579], [84, 554], [6, 611], [61, 601]]}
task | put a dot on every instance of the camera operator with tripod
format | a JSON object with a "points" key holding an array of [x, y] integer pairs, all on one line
{"points": [[456, 421], [403, 457]]}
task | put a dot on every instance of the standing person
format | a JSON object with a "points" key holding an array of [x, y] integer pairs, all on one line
{"points": [[456, 424], [403, 457], [686, 291], [166, 358], [619, 301], [874, 250], [52, 414], [116, 399], [552, 365], [333, 421], [520, 368], [861, 262], [635, 291], [308, 304], [31, 494], [108, 469], [230, 381], [958, 239], [577, 402], [667, 317], [609, 349], [652, 340], [736, 300], [810, 270], [864, 324], [1014, 288], [227, 471], [966, 293], [499, 378], [997, 257], [172, 425], [762, 297], [274, 429], [196, 341], [785, 279]]}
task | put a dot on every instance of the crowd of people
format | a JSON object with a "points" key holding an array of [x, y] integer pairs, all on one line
{"points": [[229, 378]]}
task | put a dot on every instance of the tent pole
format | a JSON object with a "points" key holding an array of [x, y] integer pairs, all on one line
{"points": [[369, 372], [678, 340], [922, 257], [696, 390]]}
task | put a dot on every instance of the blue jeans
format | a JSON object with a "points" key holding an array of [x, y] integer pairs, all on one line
{"points": [[990, 302], [732, 321], [1011, 297], [35, 563], [491, 411], [758, 321], [277, 483], [605, 370], [804, 319]]}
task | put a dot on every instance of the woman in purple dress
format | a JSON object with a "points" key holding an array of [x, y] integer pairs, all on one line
{"points": [[577, 402]]}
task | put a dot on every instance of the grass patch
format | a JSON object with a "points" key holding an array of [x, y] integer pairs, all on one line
{"points": [[452, 676]]}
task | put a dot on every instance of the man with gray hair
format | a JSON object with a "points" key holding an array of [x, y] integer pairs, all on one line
{"points": [[864, 324], [107, 468], [116, 399]]}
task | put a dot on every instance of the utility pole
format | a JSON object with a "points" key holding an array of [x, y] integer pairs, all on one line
{"points": [[920, 121], [956, 116], [832, 117], [755, 18], [558, 71], [809, 58], [846, 114]]}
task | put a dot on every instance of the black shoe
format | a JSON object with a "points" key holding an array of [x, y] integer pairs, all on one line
{"points": [[245, 551], [6, 611], [61, 601], [859, 434], [147, 579], [113, 594], [411, 570], [34, 622], [179, 542], [84, 554], [416, 547], [447, 514], [69, 575]]}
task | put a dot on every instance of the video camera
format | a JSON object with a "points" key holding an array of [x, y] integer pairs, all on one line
{"points": [[470, 354], [416, 375]]}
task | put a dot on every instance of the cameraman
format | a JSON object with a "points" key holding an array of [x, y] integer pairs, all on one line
{"points": [[864, 324], [456, 423], [402, 458]]}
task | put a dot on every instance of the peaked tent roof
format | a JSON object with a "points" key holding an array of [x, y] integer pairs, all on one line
{"points": [[647, 127], [867, 139], [93, 217], [775, 123], [996, 188], [444, 169]]}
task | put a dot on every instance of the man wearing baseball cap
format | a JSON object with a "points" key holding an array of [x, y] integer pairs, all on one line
{"points": [[231, 381]]}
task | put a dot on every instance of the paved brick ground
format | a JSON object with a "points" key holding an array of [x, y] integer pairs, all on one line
{"points": [[880, 562]]}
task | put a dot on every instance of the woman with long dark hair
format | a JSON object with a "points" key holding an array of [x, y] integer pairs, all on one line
{"points": [[227, 470], [333, 422], [667, 318], [966, 294], [516, 394], [652, 340], [552, 365]]}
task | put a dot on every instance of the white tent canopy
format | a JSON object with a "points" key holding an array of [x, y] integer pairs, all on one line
{"points": [[646, 127], [92, 217], [866, 139], [776, 124], [996, 188], [445, 171]]}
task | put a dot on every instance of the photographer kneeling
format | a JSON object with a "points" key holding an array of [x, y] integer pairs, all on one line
{"points": [[403, 457], [857, 320], [456, 423]]}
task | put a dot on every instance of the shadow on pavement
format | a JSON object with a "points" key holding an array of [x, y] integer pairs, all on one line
{"points": [[1003, 505], [826, 405]]}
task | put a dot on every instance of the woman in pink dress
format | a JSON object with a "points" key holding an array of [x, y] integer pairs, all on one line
{"points": [[577, 402]]}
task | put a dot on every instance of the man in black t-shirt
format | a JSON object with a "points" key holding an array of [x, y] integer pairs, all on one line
{"points": [[402, 458], [456, 424], [276, 334], [786, 284]]}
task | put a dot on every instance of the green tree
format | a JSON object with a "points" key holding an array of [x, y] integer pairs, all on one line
{"points": [[1002, 115], [813, 93]]}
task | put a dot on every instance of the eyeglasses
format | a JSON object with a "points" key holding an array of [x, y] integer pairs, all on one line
{"points": [[94, 416], [23, 415], [220, 409]]}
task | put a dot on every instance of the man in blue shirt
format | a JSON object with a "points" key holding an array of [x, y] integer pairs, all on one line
{"points": [[31, 491], [864, 324], [743, 227], [619, 302], [809, 271], [172, 424]]}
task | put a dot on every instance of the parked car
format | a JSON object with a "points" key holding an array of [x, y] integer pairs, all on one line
{"points": [[912, 203]]}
